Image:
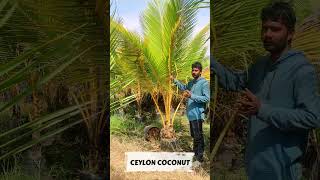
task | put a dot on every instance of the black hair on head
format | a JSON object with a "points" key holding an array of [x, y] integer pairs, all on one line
{"points": [[280, 11], [197, 65]]}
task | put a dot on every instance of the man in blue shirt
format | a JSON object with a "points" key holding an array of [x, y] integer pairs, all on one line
{"points": [[197, 92], [280, 97]]}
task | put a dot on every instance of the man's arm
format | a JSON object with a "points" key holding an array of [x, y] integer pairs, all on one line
{"points": [[306, 115], [181, 86], [204, 98], [228, 79]]}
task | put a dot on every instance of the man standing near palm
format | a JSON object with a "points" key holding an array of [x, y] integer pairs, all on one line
{"points": [[197, 92], [280, 97]]}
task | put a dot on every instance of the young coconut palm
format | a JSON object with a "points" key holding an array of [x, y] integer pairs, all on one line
{"points": [[117, 81], [166, 48]]}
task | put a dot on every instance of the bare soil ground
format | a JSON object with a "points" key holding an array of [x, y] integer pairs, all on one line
{"points": [[120, 145]]}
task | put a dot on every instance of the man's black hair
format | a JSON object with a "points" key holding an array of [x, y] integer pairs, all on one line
{"points": [[197, 65], [282, 11]]}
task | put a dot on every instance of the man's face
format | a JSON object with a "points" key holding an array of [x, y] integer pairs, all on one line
{"points": [[196, 73], [275, 36]]}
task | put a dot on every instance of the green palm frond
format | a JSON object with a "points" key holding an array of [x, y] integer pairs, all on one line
{"points": [[235, 27], [61, 42], [196, 51], [165, 47], [167, 43], [307, 38], [167, 36]]}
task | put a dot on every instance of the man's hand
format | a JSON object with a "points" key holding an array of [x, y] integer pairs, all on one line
{"points": [[187, 94], [248, 104]]}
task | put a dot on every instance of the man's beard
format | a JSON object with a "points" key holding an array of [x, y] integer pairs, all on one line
{"points": [[195, 76], [275, 47]]}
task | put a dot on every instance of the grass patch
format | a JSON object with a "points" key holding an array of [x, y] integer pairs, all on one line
{"points": [[12, 171], [17, 175], [122, 125], [129, 126]]}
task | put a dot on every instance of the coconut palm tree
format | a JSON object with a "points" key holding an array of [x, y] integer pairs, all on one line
{"points": [[118, 82], [165, 48], [64, 43]]}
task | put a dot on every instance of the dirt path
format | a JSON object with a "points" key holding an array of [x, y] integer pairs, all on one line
{"points": [[120, 145]]}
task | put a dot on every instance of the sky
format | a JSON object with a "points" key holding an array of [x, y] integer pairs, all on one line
{"points": [[130, 10]]}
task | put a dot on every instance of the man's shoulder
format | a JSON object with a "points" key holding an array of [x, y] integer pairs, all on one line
{"points": [[204, 81], [296, 58], [300, 65], [299, 61], [301, 58]]}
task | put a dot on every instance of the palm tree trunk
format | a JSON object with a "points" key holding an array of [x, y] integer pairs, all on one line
{"points": [[34, 155], [93, 164], [139, 102], [15, 90], [97, 121], [168, 132], [16, 110]]}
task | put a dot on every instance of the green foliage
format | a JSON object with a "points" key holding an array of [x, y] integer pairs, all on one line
{"points": [[17, 175], [235, 30], [166, 48], [13, 171], [178, 123], [126, 125], [49, 41], [59, 172]]}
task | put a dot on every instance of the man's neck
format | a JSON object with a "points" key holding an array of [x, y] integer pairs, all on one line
{"points": [[276, 55]]}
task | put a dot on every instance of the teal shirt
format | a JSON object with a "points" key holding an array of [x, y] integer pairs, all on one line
{"points": [[277, 135], [200, 95]]}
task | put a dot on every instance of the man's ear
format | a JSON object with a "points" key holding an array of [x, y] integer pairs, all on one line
{"points": [[290, 36]]}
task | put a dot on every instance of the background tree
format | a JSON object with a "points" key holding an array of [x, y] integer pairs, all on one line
{"points": [[63, 47]]}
